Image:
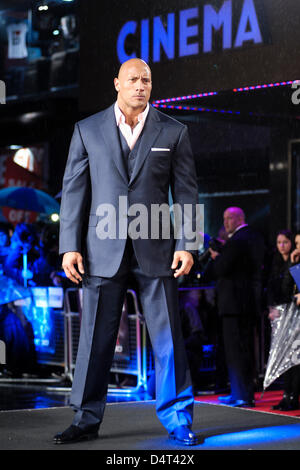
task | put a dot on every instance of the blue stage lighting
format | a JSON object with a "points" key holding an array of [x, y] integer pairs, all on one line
{"points": [[254, 438]]}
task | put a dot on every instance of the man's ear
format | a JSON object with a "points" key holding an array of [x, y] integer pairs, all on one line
{"points": [[117, 85]]}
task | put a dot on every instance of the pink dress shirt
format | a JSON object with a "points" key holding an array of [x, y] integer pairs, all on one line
{"points": [[131, 135]]}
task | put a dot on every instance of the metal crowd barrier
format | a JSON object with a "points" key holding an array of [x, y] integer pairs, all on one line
{"points": [[139, 361], [136, 364], [49, 300], [63, 311]]}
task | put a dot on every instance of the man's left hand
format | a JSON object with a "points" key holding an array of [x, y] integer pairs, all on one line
{"points": [[186, 260]]}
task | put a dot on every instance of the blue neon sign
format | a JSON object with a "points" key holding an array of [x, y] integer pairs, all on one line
{"points": [[163, 33], [128, 28], [164, 37], [187, 32]]}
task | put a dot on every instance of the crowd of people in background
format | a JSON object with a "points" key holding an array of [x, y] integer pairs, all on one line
{"points": [[236, 296], [40, 243], [252, 281], [41, 268], [282, 289]]}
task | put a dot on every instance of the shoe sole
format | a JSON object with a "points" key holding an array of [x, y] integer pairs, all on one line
{"points": [[84, 437], [185, 443]]}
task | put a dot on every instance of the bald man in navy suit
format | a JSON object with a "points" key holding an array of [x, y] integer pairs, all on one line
{"points": [[127, 155]]}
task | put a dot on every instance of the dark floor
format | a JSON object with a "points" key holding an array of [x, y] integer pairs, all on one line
{"points": [[34, 394], [135, 427], [51, 389], [22, 396]]}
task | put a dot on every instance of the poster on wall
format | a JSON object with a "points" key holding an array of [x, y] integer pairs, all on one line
{"points": [[17, 47]]}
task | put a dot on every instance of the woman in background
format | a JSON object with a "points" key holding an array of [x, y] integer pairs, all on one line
{"points": [[282, 290]]}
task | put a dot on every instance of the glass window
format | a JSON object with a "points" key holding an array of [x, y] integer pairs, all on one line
{"points": [[39, 47]]}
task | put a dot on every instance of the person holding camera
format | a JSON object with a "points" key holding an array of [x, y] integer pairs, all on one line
{"points": [[237, 268]]}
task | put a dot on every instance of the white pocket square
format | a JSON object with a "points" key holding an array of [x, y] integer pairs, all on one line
{"points": [[158, 149]]}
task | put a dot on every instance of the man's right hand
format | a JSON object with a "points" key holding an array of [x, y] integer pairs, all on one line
{"points": [[70, 259], [213, 253]]}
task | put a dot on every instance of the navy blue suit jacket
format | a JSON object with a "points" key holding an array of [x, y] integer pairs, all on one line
{"points": [[96, 174]]}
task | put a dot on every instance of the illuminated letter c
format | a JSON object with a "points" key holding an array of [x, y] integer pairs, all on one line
{"points": [[128, 28]]}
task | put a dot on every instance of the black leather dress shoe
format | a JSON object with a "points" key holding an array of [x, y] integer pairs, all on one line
{"points": [[227, 400], [75, 434], [243, 404], [184, 435], [230, 401], [288, 403]]}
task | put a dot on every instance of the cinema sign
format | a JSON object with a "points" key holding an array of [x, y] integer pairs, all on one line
{"points": [[190, 43]]}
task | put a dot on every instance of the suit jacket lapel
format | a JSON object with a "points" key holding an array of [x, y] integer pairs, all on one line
{"points": [[150, 133], [108, 127], [111, 137]]}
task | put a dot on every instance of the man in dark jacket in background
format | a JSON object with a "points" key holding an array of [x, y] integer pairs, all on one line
{"points": [[238, 271]]}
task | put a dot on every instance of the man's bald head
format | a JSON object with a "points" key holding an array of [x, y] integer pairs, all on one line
{"points": [[135, 62], [233, 218]]}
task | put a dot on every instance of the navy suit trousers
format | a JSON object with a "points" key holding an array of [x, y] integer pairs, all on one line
{"points": [[102, 307]]}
